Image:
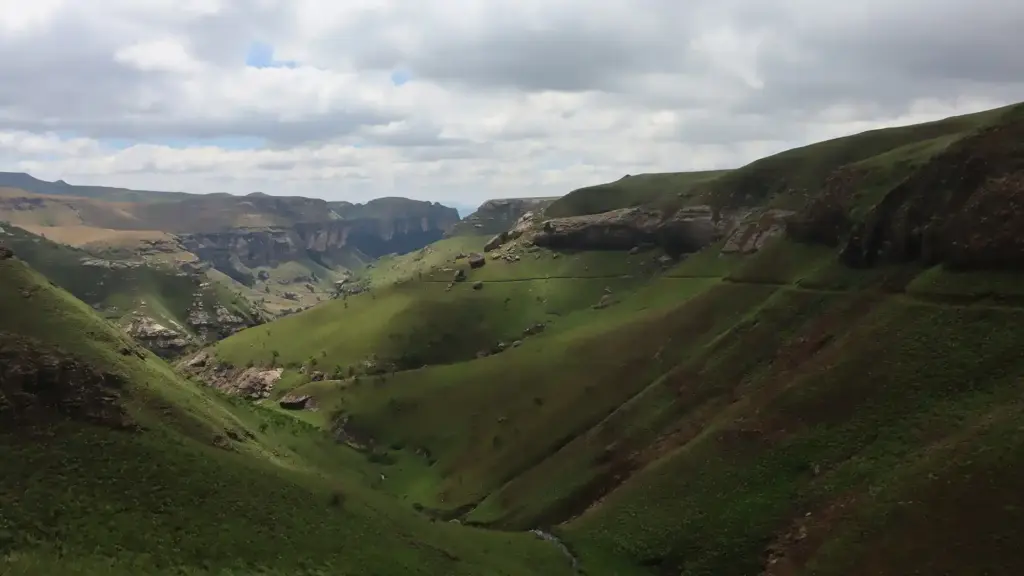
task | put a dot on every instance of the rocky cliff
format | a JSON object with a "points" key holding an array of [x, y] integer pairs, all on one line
{"points": [[330, 243], [496, 216]]}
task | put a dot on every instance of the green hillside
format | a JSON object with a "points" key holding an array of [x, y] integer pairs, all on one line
{"points": [[841, 398], [119, 287], [115, 465], [773, 413]]}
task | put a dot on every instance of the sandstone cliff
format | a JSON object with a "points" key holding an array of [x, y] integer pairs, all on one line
{"points": [[496, 216], [331, 243]]}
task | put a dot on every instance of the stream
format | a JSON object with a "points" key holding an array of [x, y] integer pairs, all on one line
{"points": [[557, 542]]}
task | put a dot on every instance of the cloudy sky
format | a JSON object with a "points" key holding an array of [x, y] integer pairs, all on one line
{"points": [[461, 100]]}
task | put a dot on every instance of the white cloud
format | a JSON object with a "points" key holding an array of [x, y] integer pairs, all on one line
{"points": [[507, 97]]}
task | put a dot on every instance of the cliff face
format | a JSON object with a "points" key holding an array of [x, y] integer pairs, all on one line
{"points": [[329, 243], [497, 216]]}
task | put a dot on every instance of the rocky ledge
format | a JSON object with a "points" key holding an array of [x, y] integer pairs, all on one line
{"points": [[163, 341], [680, 232]]}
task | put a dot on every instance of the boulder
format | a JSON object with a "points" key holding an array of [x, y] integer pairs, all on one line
{"points": [[163, 341], [478, 285], [460, 275], [476, 260], [6, 253], [495, 242], [295, 401]]}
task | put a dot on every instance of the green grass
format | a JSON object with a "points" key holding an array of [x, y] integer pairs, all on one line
{"points": [[84, 499], [161, 292], [628, 192], [790, 178]]}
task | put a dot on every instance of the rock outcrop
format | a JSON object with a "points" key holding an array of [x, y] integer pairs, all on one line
{"points": [[254, 383], [161, 340], [753, 230], [237, 250], [687, 230], [497, 216]]}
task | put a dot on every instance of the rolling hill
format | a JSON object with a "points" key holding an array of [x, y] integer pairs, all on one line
{"points": [[114, 464], [806, 365], [274, 254]]}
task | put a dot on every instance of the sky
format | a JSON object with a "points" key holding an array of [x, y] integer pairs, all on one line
{"points": [[464, 100]]}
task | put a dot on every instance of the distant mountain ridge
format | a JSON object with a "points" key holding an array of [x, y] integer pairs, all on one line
{"points": [[30, 183]]}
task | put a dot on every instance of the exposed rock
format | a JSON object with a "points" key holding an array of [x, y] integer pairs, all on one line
{"points": [[323, 231], [6, 253], [524, 224], [290, 296], [495, 242], [497, 216], [254, 383], [605, 301], [535, 329], [476, 260], [687, 230], [296, 402], [316, 376], [263, 275], [754, 230], [198, 361], [460, 275], [163, 341], [478, 285]]}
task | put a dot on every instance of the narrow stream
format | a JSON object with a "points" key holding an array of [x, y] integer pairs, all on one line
{"points": [[557, 542]]}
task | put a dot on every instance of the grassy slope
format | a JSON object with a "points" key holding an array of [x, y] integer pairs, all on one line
{"points": [[774, 412], [878, 158], [790, 178], [423, 323], [159, 292], [629, 191], [82, 499], [724, 409]]}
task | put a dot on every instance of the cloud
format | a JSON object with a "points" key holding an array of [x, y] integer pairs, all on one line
{"points": [[462, 100]]}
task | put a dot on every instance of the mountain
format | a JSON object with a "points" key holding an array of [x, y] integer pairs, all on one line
{"points": [[22, 181], [279, 253], [806, 365], [116, 465]]}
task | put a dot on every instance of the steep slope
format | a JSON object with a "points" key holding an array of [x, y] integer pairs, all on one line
{"points": [[168, 308], [115, 465], [498, 215], [629, 191], [239, 234], [842, 399]]}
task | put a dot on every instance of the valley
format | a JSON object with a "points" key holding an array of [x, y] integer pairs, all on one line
{"points": [[806, 365]]}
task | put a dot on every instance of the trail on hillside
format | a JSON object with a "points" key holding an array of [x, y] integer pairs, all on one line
{"points": [[917, 297]]}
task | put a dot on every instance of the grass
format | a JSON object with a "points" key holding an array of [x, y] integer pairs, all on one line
{"points": [[775, 413], [285, 499], [700, 418], [629, 191], [161, 292]]}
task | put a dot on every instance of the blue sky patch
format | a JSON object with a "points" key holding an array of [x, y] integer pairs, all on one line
{"points": [[261, 55], [399, 77]]}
